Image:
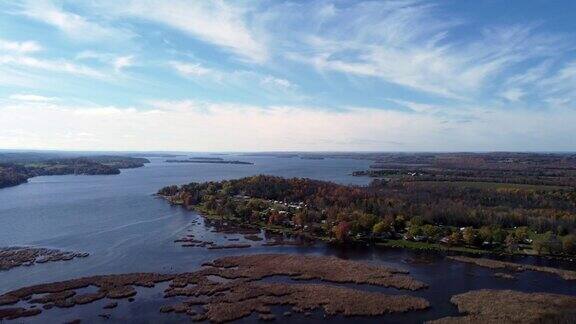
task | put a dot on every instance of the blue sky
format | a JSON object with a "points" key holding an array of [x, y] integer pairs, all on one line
{"points": [[288, 75]]}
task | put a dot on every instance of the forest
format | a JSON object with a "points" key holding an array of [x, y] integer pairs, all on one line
{"points": [[16, 169], [529, 220], [552, 169]]}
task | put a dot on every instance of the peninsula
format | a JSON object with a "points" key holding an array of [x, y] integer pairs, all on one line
{"points": [[17, 168], [422, 215]]}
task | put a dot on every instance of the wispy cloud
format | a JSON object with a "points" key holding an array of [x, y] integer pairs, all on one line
{"points": [[551, 83], [31, 98], [411, 43], [123, 62], [220, 23], [58, 66], [269, 80], [235, 78], [117, 62], [560, 88], [193, 69], [19, 47], [513, 94], [416, 106], [72, 24]]}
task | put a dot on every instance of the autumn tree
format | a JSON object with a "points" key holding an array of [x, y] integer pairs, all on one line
{"points": [[569, 244], [469, 236], [455, 238], [341, 231], [431, 232]]}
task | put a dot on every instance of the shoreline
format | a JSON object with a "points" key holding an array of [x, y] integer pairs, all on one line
{"points": [[445, 250]]}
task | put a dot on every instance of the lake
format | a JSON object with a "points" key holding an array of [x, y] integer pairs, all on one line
{"points": [[125, 228]]}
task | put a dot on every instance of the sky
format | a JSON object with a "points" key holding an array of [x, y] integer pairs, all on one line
{"points": [[406, 75]]}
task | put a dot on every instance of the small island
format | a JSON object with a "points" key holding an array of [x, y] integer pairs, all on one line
{"points": [[508, 306], [213, 160], [17, 256]]}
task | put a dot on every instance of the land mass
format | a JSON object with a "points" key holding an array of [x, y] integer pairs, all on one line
{"points": [[214, 160], [536, 169], [17, 168], [423, 215]]}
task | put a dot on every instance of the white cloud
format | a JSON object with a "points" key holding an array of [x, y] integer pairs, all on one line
{"points": [[59, 66], [31, 98], [117, 62], [196, 126], [238, 79], [531, 75], [123, 62], [221, 23], [93, 55], [20, 47], [74, 25], [561, 83], [416, 106], [269, 80], [192, 69], [513, 94], [201, 126], [410, 43]]}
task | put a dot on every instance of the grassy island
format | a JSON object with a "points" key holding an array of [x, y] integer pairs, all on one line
{"points": [[238, 292], [508, 306]]}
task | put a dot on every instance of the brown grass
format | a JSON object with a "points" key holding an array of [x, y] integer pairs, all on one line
{"points": [[495, 264], [228, 289], [507, 306], [16, 312], [229, 246], [11, 257], [190, 241], [62, 294], [253, 237], [247, 298], [312, 267], [504, 275]]}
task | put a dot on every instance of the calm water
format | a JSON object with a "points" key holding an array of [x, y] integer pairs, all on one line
{"points": [[126, 229]]}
